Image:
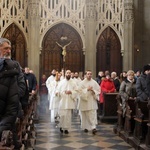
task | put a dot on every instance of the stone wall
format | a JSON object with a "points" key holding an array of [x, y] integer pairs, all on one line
{"points": [[142, 33]]}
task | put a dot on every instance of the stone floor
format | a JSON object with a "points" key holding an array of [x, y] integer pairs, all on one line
{"points": [[50, 138]]}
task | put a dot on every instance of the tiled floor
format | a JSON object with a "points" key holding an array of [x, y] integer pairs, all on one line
{"points": [[50, 138]]}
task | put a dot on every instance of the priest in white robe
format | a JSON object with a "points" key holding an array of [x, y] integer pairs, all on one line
{"points": [[77, 80], [48, 82], [67, 90], [54, 99], [89, 95]]}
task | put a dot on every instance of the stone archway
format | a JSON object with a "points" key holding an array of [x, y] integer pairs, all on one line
{"points": [[16, 37], [109, 52], [51, 55]]}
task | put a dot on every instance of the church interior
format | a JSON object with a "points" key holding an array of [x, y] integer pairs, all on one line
{"points": [[79, 35]]}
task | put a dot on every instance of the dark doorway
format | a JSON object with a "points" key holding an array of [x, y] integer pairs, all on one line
{"points": [[18, 44], [51, 55], [109, 52]]}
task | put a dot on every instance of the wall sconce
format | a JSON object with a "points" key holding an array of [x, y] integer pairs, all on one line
{"points": [[136, 48]]}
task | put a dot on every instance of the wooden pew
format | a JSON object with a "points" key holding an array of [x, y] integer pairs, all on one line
{"points": [[109, 108], [130, 115], [25, 127], [6, 148], [30, 130], [6, 141], [120, 123], [148, 133], [140, 130], [129, 122]]}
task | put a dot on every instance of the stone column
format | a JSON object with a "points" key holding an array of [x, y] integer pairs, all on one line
{"points": [[90, 36], [128, 35], [34, 26]]}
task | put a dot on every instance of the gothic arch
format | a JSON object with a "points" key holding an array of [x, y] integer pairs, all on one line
{"points": [[18, 43], [19, 27], [63, 22], [115, 30], [51, 54], [108, 52]]}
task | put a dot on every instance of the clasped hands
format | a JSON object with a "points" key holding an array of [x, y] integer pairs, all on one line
{"points": [[90, 88], [68, 92]]}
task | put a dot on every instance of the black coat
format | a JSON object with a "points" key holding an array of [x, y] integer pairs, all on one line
{"points": [[117, 84], [32, 83], [20, 79], [9, 99], [141, 88], [148, 84]]}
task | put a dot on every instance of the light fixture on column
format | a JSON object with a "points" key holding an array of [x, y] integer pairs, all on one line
{"points": [[136, 47]]}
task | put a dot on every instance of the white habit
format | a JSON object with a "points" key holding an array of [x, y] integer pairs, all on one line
{"points": [[54, 99], [88, 103], [48, 82], [67, 102]]}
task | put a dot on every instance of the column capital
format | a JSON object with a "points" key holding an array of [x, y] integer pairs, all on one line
{"points": [[91, 9], [33, 8], [128, 7]]}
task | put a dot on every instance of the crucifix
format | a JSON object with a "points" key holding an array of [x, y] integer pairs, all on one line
{"points": [[63, 49], [63, 44]]}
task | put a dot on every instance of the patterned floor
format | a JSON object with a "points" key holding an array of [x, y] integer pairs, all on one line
{"points": [[50, 138]]}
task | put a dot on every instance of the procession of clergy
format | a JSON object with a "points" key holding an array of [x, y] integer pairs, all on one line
{"points": [[66, 94]]}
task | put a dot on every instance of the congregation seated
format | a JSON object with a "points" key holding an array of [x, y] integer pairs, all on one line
{"points": [[133, 111]]}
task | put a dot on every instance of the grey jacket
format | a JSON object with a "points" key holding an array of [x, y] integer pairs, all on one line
{"points": [[127, 89], [141, 88]]}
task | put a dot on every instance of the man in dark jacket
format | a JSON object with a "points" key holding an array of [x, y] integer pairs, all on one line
{"points": [[20, 77], [141, 85], [9, 97], [11, 69], [31, 81]]}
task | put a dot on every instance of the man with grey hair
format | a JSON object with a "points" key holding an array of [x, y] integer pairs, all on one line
{"points": [[5, 52], [115, 80], [20, 76], [13, 84]]}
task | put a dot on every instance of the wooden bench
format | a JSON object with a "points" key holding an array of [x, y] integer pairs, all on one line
{"points": [[109, 108], [147, 142], [6, 148], [128, 120], [25, 126], [120, 123], [141, 120], [7, 140]]}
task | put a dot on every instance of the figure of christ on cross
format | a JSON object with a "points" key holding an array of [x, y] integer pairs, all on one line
{"points": [[63, 49]]}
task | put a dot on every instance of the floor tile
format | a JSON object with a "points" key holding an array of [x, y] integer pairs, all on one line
{"points": [[50, 138]]}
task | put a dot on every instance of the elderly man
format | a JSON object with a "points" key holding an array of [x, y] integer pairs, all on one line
{"points": [[89, 94], [9, 95], [67, 90], [115, 80]]}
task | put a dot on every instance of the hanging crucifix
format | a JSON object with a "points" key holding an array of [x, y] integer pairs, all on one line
{"points": [[63, 50], [63, 43]]}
